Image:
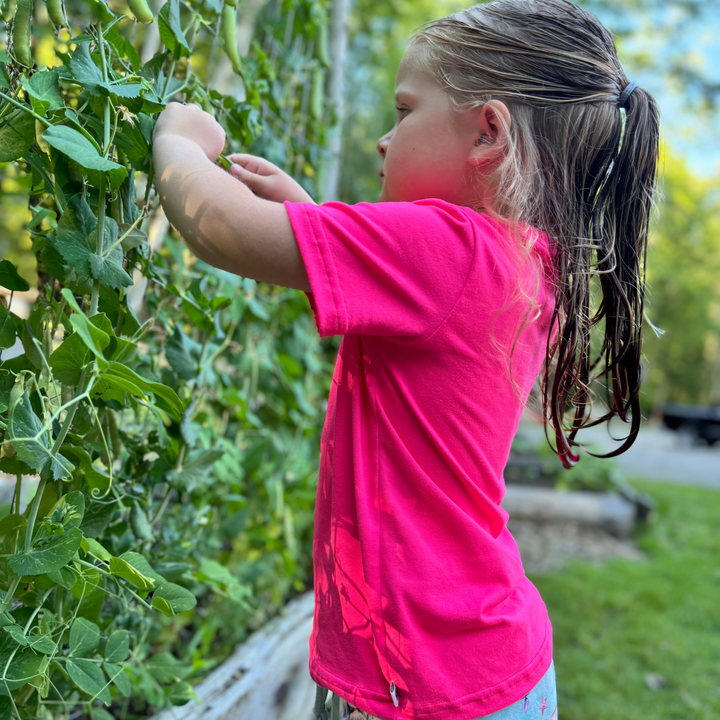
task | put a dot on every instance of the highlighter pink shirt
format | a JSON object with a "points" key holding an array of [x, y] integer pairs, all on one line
{"points": [[420, 593]]}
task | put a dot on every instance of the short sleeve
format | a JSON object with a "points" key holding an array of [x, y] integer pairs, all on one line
{"points": [[392, 269]]}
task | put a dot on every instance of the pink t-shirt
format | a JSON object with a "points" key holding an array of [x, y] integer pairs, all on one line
{"points": [[418, 582]]}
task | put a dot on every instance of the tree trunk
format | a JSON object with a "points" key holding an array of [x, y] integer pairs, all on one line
{"points": [[330, 189]]}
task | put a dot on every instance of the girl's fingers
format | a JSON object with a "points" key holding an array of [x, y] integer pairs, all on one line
{"points": [[249, 178], [252, 163]]}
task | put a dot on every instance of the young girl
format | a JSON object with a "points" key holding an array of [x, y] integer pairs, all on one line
{"points": [[521, 164]]}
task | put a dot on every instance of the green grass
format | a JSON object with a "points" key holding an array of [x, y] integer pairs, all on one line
{"points": [[614, 624]]}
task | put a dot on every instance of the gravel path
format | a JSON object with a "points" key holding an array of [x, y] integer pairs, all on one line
{"points": [[657, 454]]}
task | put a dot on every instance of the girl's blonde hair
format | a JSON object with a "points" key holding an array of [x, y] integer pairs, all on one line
{"points": [[578, 167]]}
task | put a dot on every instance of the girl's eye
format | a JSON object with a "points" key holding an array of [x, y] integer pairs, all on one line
{"points": [[402, 110]]}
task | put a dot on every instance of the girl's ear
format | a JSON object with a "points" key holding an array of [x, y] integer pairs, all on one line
{"points": [[492, 127]]}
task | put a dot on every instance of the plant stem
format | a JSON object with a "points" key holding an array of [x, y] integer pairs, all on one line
{"points": [[100, 232], [27, 109], [163, 506], [71, 412], [33, 514], [18, 485], [9, 595]]}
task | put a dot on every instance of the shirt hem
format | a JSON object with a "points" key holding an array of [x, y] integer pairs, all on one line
{"points": [[467, 707]]}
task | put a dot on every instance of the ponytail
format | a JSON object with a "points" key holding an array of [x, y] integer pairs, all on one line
{"points": [[618, 209]]}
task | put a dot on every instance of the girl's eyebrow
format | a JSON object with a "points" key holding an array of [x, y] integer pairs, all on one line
{"points": [[404, 93]]}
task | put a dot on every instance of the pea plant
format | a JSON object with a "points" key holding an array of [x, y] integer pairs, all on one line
{"points": [[161, 421]]}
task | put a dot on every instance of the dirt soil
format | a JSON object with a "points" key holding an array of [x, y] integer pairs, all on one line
{"points": [[548, 546]]}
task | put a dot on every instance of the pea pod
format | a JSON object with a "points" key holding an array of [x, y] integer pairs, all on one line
{"points": [[321, 48], [317, 95], [21, 32], [206, 104], [228, 26], [141, 11], [55, 12], [139, 522], [39, 139], [8, 8]]}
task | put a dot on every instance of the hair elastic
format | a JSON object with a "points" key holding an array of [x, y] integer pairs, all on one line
{"points": [[625, 94]]}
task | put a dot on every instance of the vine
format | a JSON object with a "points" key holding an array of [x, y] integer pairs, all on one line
{"points": [[163, 414]]}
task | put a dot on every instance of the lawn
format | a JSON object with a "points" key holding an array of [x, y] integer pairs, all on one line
{"points": [[615, 625]]}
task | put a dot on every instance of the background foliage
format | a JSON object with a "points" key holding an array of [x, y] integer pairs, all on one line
{"points": [[170, 410]]}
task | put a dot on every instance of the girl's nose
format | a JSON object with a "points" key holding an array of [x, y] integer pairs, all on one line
{"points": [[383, 143]]}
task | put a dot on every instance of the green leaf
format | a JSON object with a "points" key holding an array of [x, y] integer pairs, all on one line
{"points": [[195, 469], [17, 133], [149, 688], [8, 333], [5, 708], [118, 646], [134, 568], [217, 573], [133, 142], [84, 638], [96, 549], [52, 555], [166, 668], [10, 279], [87, 74], [44, 91], [24, 666], [75, 240], [94, 338], [32, 351], [87, 582], [291, 366], [171, 599], [84, 70], [117, 675], [97, 514], [183, 354], [166, 398], [169, 25], [26, 433], [13, 466], [30, 440], [107, 265], [69, 359], [11, 524], [42, 643], [181, 693], [212, 570], [88, 676], [82, 152], [76, 224], [64, 577], [69, 510], [99, 713], [111, 387], [17, 634]]}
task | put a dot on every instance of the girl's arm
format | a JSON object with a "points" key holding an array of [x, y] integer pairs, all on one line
{"points": [[218, 217]]}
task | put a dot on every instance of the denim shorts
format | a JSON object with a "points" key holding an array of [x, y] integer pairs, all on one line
{"points": [[541, 699]]}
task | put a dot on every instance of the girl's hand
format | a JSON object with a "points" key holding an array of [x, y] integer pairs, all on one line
{"points": [[266, 180], [191, 122]]}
